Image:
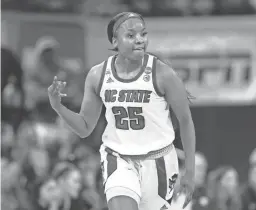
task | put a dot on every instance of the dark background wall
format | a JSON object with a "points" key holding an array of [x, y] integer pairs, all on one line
{"points": [[226, 135]]}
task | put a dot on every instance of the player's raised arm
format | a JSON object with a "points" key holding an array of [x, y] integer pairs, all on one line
{"points": [[84, 122], [176, 96]]}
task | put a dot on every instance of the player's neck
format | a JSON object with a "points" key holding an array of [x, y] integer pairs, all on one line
{"points": [[126, 65]]}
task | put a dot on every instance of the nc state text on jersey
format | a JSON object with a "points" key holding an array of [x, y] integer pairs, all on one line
{"points": [[137, 96]]}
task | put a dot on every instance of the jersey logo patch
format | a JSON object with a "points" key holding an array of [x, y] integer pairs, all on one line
{"points": [[146, 78], [109, 80], [172, 181]]}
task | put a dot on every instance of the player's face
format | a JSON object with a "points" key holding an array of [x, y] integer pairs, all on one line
{"points": [[73, 183], [200, 171], [230, 180], [252, 177], [131, 39], [49, 56], [50, 191]]}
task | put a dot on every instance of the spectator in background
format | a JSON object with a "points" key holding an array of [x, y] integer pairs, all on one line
{"points": [[49, 195], [88, 163], [9, 183], [41, 65], [223, 189], [100, 189], [84, 157], [200, 198], [252, 158], [13, 194], [12, 92], [7, 140], [35, 169], [248, 193], [69, 181]]}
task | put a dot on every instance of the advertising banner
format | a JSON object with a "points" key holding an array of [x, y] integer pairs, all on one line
{"points": [[217, 66]]}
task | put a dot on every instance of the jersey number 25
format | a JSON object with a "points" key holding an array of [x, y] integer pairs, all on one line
{"points": [[128, 118]]}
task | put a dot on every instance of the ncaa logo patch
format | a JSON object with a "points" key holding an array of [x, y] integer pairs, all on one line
{"points": [[148, 70], [146, 78]]}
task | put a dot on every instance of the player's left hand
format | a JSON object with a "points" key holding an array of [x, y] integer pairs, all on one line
{"points": [[187, 186]]}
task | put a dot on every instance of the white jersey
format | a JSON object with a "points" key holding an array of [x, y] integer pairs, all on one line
{"points": [[138, 119]]}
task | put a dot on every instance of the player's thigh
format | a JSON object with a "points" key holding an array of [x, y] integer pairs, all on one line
{"points": [[120, 178], [122, 203], [158, 187]]}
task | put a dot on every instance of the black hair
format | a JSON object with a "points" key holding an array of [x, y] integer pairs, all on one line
{"points": [[112, 22]]}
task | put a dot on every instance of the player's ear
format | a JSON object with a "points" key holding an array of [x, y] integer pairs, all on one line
{"points": [[114, 42]]}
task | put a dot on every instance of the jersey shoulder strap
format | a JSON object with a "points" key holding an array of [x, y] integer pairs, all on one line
{"points": [[106, 70]]}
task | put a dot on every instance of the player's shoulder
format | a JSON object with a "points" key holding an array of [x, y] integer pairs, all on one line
{"points": [[96, 74], [96, 71], [164, 68]]}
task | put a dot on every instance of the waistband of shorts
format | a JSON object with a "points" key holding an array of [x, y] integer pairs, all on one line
{"points": [[149, 156]]}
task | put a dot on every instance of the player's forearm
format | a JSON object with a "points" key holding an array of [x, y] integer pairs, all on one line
{"points": [[74, 120], [188, 139]]}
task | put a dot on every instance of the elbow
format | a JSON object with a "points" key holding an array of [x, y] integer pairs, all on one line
{"points": [[83, 135]]}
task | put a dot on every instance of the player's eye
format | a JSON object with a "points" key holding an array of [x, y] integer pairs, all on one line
{"points": [[144, 33], [130, 36]]}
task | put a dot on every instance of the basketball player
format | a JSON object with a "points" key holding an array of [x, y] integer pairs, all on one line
{"points": [[139, 162]]}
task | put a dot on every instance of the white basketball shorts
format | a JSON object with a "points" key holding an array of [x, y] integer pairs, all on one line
{"points": [[149, 182]]}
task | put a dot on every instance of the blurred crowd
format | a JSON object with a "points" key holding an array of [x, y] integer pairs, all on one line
{"points": [[221, 188], [145, 7], [44, 166]]}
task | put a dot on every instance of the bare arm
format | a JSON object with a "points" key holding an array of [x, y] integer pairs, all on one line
{"points": [[176, 96], [84, 122]]}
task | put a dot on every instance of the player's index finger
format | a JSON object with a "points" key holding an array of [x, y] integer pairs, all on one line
{"points": [[55, 79]]}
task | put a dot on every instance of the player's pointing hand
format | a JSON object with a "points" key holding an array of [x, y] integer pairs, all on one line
{"points": [[55, 93]]}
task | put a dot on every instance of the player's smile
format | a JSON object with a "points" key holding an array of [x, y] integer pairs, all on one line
{"points": [[140, 49]]}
